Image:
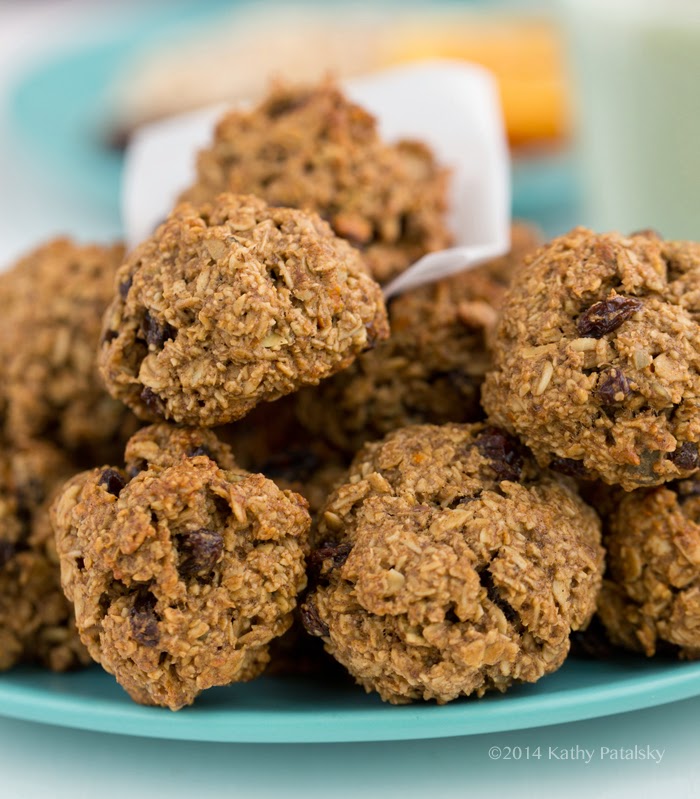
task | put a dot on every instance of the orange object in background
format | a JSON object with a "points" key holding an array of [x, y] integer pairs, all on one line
{"points": [[235, 60], [525, 56]]}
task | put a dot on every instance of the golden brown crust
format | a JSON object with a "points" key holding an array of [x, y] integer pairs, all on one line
{"points": [[598, 357], [448, 564], [431, 368], [52, 304], [166, 444], [311, 148], [182, 575], [651, 594], [233, 304]]}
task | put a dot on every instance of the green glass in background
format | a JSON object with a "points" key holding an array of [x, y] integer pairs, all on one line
{"points": [[636, 70]]}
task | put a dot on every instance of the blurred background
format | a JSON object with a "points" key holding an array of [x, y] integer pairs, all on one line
{"points": [[600, 97]]}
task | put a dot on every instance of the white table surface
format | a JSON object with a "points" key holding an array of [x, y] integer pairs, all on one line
{"points": [[44, 762]]}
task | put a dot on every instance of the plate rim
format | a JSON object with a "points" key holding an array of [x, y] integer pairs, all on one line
{"points": [[380, 723]]}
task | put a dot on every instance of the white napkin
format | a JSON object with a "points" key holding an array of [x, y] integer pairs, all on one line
{"points": [[452, 106]]}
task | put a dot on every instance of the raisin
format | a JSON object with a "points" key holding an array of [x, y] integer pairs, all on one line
{"points": [[156, 333], [327, 557], [152, 401], [124, 287], [312, 621], [607, 315], [505, 452], [112, 481], [143, 619], [7, 550], [569, 467], [685, 457], [613, 387], [199, 552]]}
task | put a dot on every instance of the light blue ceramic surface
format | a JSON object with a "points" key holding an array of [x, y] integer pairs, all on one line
{"points": [[299, 711]]}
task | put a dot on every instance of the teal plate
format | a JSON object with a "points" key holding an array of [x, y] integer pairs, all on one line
{"points": [[301, 711]]}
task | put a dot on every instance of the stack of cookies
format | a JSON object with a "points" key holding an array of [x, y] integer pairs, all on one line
{"points": [[597, 370], [403, 483]]}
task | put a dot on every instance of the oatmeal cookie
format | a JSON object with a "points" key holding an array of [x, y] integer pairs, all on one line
{"points": [[651, 595], [163, 445], [431, 368], [308, 468], [311, 148], [598, 358], [233, 304], [52, 304], [449, 564], [182, 574], [36, 620]]}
